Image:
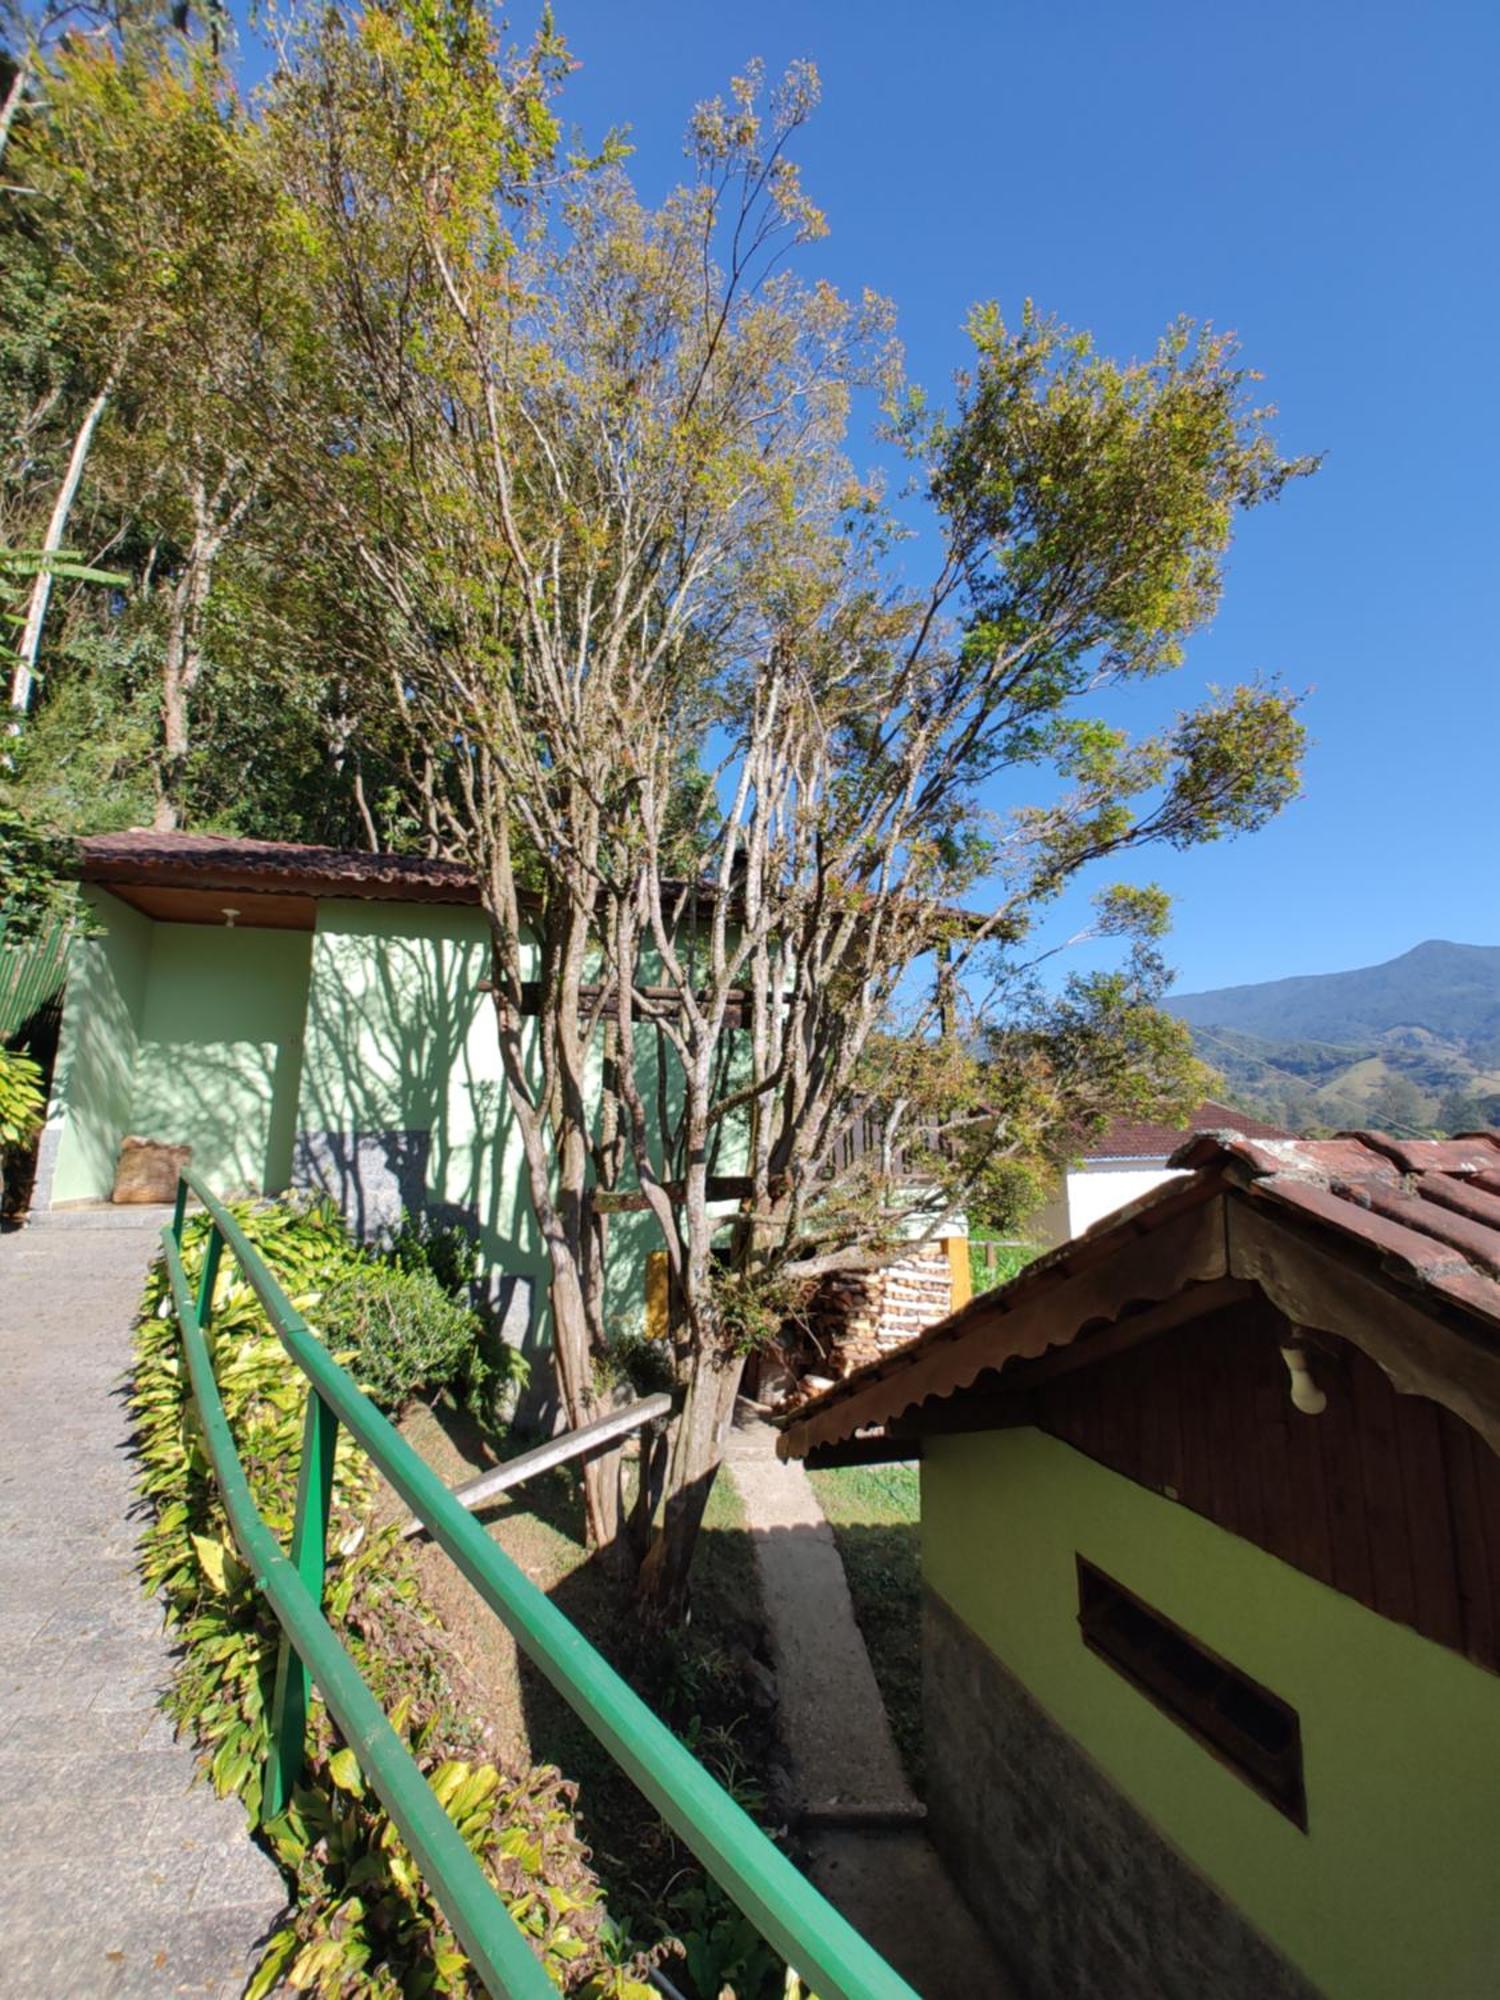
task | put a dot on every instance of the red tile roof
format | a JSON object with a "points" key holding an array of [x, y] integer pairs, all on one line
{"points": [[1139, 1139], [1428, 1209], [1421, 1217], [216, 861]]}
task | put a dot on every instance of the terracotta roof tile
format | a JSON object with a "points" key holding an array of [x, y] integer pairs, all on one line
{"points": [[1141, 1139], [217, 861]]}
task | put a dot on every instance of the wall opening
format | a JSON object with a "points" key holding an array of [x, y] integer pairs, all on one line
{"points": [[1254, 1732]]}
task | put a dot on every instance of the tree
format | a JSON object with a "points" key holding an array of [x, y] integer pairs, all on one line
{"points": [[763, 838]]}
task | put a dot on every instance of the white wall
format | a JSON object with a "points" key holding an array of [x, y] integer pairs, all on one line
{"points": [[1098, 1192]]}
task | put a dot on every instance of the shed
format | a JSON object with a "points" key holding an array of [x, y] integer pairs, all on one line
{"points": [[1211, 1576], [303, 1018]]}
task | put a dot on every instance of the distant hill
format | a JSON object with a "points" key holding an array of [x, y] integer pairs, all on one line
{"points": [[1413, 1043]]}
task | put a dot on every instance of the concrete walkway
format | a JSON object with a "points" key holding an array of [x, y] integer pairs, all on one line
{"points": [[118, 1877], [888, 1881]]}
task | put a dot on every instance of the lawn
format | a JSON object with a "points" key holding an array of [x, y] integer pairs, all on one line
{"points": [[874, 1510]]}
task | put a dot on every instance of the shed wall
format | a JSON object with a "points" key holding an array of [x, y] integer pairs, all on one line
{"points": [[1395, 1887], [221, 1049]]}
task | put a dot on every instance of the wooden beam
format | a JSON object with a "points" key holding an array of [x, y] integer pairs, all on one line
{"points": [[631, 1201], [556, 1451], [969, 1410], [1194, 1302], [885, 1449]]}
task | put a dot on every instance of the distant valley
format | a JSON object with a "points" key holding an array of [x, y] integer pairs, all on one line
{"points": [[1413, 1045]]}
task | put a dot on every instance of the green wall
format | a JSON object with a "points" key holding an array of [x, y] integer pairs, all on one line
{"points": [[1394, 1891], [402, 1084], [361, 1057], [189, 1033], [221, 1048], [403, 1088], [95, 1072]]}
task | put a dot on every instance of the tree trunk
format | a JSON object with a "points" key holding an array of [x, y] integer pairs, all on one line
{"points": [[697, 1448], [14, 98], [24, 678]]}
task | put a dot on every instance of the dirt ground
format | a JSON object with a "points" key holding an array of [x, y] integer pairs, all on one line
{"points": [[710, 1683]]}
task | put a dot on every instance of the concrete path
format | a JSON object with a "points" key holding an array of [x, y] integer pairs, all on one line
{"points": [[118, 1877], [889, 1882]]}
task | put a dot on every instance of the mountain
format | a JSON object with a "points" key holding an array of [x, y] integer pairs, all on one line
{"points": [[1413, 1043], [1452, 990]]}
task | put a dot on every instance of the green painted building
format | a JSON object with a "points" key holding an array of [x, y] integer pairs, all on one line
{"points": [[302, 1018], [1211, 1566]]}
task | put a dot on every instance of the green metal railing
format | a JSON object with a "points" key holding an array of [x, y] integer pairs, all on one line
{"points": [[821, 1945]]}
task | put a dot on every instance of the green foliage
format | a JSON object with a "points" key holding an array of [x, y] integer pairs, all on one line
{"points": [[403, 1333], [364, 1922], [34, 869], [448, 1251], [21, 1101], [389, 1317], [721, 1949], [994, 1264]]}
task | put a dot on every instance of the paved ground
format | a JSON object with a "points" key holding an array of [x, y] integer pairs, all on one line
{"points": [[118, 1877], [889, 1882]]}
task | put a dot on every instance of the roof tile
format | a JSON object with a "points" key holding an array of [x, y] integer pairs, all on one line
{"points": [[216, 860], [1144, 1139]]}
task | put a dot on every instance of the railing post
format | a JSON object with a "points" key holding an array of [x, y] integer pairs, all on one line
{"points": [[179, 1209], [309, 1554], [213, 1249]]}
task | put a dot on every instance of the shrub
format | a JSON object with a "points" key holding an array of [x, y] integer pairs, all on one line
{"points": [[447, 1249], [364, 1922], [389, 1317], [21, 1102], [404, 1333]]}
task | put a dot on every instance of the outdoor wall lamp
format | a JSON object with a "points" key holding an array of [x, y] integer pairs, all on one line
{"points": [[1306, 1395]]}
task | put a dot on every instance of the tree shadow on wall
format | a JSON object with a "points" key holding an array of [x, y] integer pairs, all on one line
{"points": [[404, 1110]]}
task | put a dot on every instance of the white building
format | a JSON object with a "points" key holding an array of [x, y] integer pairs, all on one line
{"points": [[1127, 1161]]}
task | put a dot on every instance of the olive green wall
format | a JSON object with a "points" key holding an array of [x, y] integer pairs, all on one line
{"points": [[1394, 1891], [95, 1070], [221, 1048]]}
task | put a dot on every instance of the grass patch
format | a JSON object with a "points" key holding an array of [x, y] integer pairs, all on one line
{"points": [[874, 1511]]}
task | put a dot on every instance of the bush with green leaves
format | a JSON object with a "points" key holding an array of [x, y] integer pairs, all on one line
{"points": [[448, 1250], [364, 1921], [390, 1317], [404, 1333], [21, 1101]]}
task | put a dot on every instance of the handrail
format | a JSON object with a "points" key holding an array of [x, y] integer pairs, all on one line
{"points": [[822, 1946], [488, 1932]]}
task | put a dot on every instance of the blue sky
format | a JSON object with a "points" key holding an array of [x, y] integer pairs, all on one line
{"points": [[1320, 177]]}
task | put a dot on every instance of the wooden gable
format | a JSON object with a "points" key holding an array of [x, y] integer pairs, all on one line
{"points": [[1387, 1497]]}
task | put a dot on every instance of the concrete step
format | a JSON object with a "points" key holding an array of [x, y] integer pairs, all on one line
{"points": [[103, 1215]]}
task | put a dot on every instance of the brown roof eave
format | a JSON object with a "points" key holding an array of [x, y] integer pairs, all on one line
{"points": [[1414, 1225]]}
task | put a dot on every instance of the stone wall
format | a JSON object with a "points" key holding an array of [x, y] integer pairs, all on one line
{"points": [[1083, 1897], [858, 1315]]}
